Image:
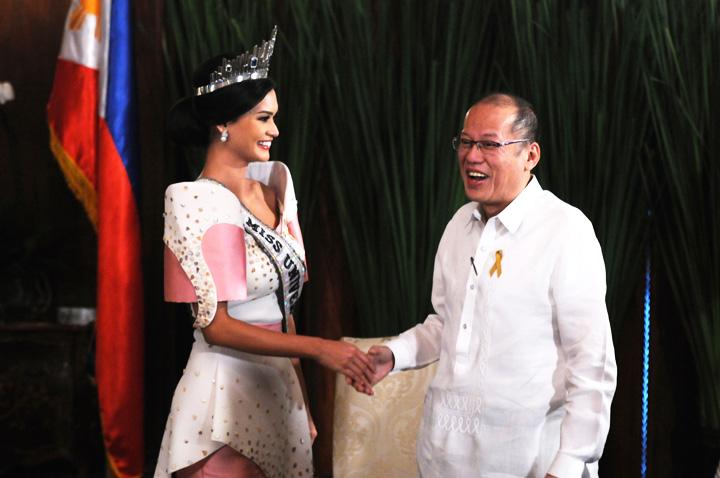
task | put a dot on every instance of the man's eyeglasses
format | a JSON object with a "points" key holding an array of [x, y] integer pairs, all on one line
{"points": [[464, 144]]}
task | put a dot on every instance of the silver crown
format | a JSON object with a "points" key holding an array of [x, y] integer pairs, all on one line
{"points": [[251, 65]]}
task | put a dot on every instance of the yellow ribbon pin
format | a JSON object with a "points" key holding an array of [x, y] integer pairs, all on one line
{"points": [[497, 267]]}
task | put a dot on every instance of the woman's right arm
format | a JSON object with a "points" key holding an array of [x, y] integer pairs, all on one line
{"points": [[336, 355]]}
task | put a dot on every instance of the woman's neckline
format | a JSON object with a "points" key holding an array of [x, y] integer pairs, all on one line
{"points": [[212, 180]]}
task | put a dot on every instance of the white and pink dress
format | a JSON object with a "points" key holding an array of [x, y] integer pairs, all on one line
{"points": [[216, 250]]}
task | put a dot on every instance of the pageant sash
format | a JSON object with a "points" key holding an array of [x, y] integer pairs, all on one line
{"points": [[288, 263]]}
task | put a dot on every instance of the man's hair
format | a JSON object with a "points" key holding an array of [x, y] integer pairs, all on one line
{"points": [[525, 119]]}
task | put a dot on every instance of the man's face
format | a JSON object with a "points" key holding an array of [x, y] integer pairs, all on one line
{"points": [[494, 177]]}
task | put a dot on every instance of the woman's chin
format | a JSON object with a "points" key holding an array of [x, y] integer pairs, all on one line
{"points": [[260, 158]]}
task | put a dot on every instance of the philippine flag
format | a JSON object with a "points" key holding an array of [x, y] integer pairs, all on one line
{"points": [[91, 116]]}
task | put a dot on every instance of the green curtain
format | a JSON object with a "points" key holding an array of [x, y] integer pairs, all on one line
{"points": [[577, 62], [681, 81], [371, 92]]}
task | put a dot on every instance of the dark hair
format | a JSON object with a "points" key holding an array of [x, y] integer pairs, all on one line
{"points": [[525, 119], [190, 119]]}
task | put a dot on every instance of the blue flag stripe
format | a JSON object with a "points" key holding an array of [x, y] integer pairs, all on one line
{"points": [[120, 111]]}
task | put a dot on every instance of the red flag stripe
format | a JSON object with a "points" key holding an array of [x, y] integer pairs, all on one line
{"points": [[119, 355], [72, 116], [89, 158]]}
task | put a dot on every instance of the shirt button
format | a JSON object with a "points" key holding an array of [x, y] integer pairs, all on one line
{"points": [[472, 286], [483, 248], [464, 326]]}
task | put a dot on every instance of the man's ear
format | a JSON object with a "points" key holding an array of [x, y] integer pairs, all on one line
{"points": [[533, 157]]}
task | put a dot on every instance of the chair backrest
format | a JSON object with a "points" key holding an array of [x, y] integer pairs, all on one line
{"points": [[376, 436]]}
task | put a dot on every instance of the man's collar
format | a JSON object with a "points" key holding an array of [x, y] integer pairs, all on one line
{"points": [[512, 216]]}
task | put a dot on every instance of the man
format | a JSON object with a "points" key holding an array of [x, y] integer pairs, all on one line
{"points": [[526, 368]]}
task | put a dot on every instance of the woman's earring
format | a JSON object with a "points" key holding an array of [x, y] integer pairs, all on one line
{"points": [[224, 136]]}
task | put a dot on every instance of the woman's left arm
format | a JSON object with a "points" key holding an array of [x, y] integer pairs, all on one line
{"points": [[301, 379]]}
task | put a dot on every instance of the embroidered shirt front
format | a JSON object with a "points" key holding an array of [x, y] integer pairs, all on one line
{"points": [[522, 352]]}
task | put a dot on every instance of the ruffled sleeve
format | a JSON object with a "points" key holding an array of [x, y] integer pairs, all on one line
{"points": [[204, 247]]}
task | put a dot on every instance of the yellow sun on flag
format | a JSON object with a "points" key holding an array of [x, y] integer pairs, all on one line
{"points": [[81, 11]]}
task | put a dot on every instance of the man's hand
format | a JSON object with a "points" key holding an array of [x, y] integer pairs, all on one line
{"points": [[345, 358], [383, 360]]}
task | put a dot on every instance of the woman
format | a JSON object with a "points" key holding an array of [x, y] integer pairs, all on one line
{"points": [[234, 250]]}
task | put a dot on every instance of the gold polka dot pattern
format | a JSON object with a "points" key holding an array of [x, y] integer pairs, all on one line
{"points": [[262, 276], [251, 403]]}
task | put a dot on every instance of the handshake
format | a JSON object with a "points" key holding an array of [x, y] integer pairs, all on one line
{"points": [[361, 370]]}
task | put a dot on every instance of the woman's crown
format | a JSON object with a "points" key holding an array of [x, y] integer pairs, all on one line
{"points": [[251, 65]]}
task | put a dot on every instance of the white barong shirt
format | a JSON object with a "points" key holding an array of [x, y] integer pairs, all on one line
{"points": [[526, 370]]}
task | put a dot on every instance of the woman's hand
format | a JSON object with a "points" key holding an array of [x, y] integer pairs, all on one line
{"points": [[347, 359], [341, 357], [313, 430]]}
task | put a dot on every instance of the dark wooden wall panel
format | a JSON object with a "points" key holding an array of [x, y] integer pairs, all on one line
{"points": [[45, 239], [163, 363], [38, 212]]}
